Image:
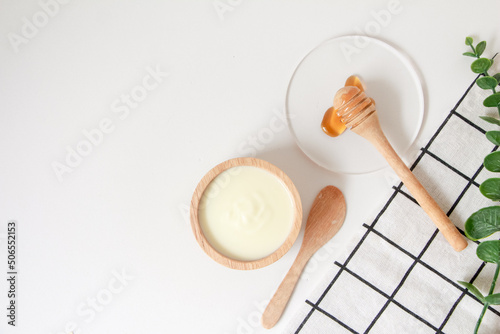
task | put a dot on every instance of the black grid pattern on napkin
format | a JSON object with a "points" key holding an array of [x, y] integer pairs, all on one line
{"points": [[393, 298]]}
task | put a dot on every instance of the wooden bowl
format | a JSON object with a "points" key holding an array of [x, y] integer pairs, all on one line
{"points": [[223, 259]]}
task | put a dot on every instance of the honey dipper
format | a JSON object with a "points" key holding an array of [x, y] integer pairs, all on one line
{"points": [[358, 113]]}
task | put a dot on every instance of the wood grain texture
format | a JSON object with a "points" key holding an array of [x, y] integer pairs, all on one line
{"points": [[370, 129], [209, 249], [325, 219]]}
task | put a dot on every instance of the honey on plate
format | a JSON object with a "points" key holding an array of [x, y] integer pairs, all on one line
{"points": [[331, 124]]}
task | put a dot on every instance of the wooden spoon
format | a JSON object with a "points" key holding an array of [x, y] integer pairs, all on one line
{"points": [[325, 219], [358, 113]]}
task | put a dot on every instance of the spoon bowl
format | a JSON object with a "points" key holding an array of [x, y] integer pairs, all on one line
{"points": [[325, 219]]}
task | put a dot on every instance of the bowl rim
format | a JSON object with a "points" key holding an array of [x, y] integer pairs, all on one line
{"points": [[205, 244]]}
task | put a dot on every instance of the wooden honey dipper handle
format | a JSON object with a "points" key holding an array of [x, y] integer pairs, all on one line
{"points": [[370, 129]]}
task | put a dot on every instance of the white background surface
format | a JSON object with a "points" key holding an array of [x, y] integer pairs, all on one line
{"points": [[123, 208]]}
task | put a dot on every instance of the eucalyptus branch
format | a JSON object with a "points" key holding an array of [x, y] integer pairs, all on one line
{"points": [[494, 282], [481, 66], [484, 222], [485, 308], [486, 303]]}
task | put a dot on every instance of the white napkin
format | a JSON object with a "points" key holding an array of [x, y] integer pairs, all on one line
{"points": [[401, 276]]}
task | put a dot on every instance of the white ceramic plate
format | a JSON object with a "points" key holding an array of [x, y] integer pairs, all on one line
{"points": [[390, 80]]}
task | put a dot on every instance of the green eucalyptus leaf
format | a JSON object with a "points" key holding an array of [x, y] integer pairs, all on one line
{"points": [[494, 137], [493, 299], [490, 188], [470, 54], [492, 162], [480, 65], [468, 41], [489, 251], [497, 76], [491, 120], [487, 82], [481, 46], [475, 291], [483, 223], [492, 101]]}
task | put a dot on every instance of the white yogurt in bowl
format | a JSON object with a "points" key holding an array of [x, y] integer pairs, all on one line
{"points": [[246, 213]]}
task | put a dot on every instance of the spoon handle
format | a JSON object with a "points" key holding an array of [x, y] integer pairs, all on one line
{"points": [[370, 129], [277, 304]]}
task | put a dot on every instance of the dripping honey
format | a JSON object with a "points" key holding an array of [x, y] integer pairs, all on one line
{"points": [[331, 124]]}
